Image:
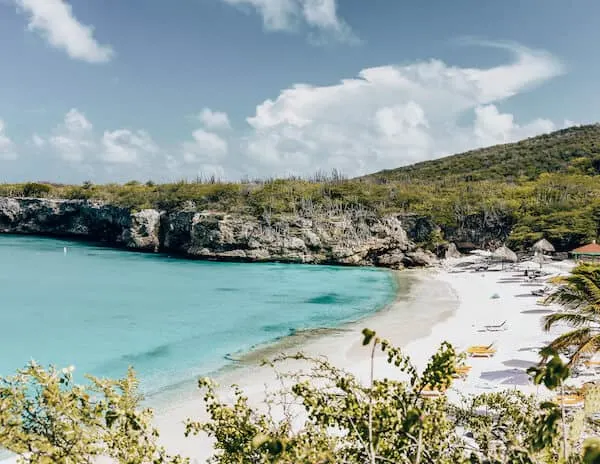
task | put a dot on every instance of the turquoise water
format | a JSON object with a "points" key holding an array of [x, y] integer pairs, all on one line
{"points": [[102, 309]]}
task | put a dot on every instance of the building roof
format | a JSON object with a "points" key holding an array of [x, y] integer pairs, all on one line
{"points": [[591, 249]]}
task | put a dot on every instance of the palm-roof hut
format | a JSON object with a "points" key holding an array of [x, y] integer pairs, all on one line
{"points": [[505, 255], [589, 253], [543, 246]]}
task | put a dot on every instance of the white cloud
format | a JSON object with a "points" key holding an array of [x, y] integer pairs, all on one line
{"points": [[73, 139], [214, 119], [54, 21], [287, 15], [206, 148], [125, 146], [7, 147], [393, 115], [492, 127], [38, 141]]}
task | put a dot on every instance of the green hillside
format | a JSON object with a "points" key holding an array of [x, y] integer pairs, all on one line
{"points": [[546, 186], [573, 150]]}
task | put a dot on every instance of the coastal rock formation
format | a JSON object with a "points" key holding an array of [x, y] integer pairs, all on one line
{"points": [[335, 240], [143, 231], [452, 252], [353, 238]]}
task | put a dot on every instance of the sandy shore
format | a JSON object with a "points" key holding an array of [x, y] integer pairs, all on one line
{"points": [[441, 306], [430, 302]]}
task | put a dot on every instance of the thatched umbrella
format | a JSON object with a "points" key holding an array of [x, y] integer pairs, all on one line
{"points": [[505, 255], [540, 258], [543, 246]]}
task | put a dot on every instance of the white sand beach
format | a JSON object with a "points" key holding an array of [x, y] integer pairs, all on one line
{"points": [[442, 306]]}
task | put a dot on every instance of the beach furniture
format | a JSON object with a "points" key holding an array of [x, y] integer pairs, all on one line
{"points": [[496, 327], [429, 392], [570, 400], [461, 372], [481, 351]]}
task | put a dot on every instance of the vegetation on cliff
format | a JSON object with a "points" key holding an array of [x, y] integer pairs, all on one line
{"points": [[545, 186]]}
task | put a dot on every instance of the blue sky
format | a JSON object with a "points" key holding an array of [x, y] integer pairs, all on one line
{"points": [[112, 90]]}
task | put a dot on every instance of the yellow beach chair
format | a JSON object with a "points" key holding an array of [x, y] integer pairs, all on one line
{"points": [[429, 392], [570, 400], [480, 351], [461, 372]]}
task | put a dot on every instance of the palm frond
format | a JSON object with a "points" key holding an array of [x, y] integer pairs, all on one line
{"points": [[573, 319], [590, 346], [576, 337]]}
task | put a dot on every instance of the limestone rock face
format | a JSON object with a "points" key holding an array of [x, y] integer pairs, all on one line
{"points": [[68, 218], [143, 231], [419, 258], [356, 238], [452, 252]]}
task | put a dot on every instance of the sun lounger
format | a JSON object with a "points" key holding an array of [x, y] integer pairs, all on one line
{"points": [[592, 364], [496, 328], [429, 392], [480, 351], [461, 372], [570, 401]]}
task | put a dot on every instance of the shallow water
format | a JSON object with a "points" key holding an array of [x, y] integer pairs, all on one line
{"points": [[102, 309]]}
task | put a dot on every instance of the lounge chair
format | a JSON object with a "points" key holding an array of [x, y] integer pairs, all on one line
{"points": [[570, 401], [496, 328], [480, 351], [429, 392], [461, 372], [592, 364]]}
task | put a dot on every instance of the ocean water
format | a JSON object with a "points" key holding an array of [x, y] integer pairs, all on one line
{"points": [[103, 310]]}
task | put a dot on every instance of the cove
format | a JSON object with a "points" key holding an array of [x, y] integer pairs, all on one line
{"points": [[103, 310]]}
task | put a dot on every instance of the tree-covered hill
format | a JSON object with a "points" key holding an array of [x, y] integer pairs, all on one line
{"points": [[546, 186], [572, 150]]}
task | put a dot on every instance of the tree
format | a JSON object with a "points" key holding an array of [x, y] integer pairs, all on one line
{"points": [[579, 295], [46, 418], [35, 189]]}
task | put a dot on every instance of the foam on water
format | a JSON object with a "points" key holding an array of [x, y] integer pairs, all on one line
{"points": [[102, 309]]}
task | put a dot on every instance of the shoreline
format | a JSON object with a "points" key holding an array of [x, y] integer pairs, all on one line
{"points": [[410, 317], [441, 306], [402, 282]]}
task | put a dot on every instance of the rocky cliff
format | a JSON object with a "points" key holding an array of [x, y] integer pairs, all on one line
{"points": [[357, 238]]}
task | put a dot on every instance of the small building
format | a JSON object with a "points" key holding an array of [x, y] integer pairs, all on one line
{"points": [[587, 253]]}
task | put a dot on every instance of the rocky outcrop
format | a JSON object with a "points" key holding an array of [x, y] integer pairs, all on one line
{"points": [[81, 219], [486, 230], [356, 238], [328, 240], [452, 252]]}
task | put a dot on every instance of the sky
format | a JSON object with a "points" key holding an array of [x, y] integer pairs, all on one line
{"points": [[113, 90]]}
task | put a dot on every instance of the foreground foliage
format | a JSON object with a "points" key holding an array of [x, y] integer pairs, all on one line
{"points": [[344, 421], [321, 415], [46, 418]]}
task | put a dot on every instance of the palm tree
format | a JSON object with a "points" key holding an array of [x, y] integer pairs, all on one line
{"points": [[579, 295]]}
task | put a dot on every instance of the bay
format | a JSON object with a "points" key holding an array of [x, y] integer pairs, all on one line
{"points": [[102, 310]]}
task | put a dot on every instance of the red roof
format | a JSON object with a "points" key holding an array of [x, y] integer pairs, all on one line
{"points": [[591, 248]]}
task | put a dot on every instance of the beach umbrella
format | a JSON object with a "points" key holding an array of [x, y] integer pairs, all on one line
{"points": [[505, 254], [543, 246], [540, 258]]}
